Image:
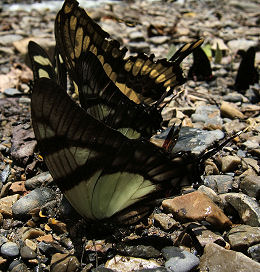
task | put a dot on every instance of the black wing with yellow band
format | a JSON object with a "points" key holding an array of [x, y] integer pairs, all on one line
{"points": [[101, 172], [140, 78], [44, 67]]}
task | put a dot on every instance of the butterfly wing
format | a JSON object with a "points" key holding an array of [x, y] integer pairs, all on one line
{"points": [[44, 67], [100, 171], [99, 98], [200, 69], [247, 73], [139, 77], [111, 87]]}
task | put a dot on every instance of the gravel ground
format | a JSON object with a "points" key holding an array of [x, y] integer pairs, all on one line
{"points": [[220, 228]]}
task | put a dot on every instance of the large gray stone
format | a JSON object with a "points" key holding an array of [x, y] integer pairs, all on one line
{"points": [[247, 208], [218, 259], [35, 199]]}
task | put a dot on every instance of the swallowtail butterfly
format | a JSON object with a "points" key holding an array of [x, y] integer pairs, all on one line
{"points": [[97, 152]]}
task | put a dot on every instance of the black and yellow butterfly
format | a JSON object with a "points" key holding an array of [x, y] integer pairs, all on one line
{"points": [[103, 170], [100, 171], [103, 76]]}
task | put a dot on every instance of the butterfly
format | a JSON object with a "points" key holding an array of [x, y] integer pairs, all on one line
{"points": [[100, 171], [103, 76], [96, 166], [103, 171], [247, 73], [200, 69]]}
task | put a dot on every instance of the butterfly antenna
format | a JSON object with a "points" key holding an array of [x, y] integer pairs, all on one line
{"points": [[209, 153]]}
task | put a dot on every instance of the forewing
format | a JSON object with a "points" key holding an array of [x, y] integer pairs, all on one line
{"points": [[139, 77]]}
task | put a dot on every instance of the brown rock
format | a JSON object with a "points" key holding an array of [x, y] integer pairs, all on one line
{"points": [[98, 245], [248, 172], [196, 206], [30, 244], [218, 259], [5, 189], [247, 208], [31, 233], [234, 126], [2, 261], [33, 262], [252, 163], [243, 236], [122, 263], [57, 226], [6, 204], [212, 195], [229, 163], [165, 221], [250, 185], [22, 45], [17, 187], [230, 110], [48, 238], [64, 263], [206, 236], [211, 168]]}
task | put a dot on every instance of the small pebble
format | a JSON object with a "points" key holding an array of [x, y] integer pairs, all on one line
{"points": [[229, 163], [230, 110], [178, 260], [216, 258], [243, 236], [250, 185], [197, 206], [27, 253], [254, 252], [10, 249], [12, 92], [247, 208], [35, 199], [64, 263]]}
